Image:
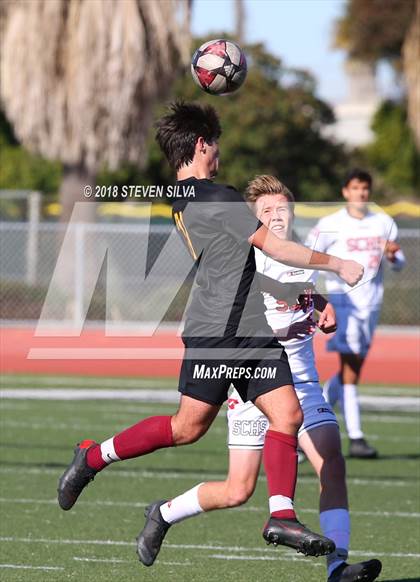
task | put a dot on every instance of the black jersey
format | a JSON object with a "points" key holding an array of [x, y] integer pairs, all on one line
{"points": [[216, 226]]}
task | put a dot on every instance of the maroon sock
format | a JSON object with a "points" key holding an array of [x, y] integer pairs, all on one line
{"points": [[280, 464], [140, 439]]}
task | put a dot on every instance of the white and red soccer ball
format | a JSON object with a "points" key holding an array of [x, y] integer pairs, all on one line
{"points": [[219, 67]]}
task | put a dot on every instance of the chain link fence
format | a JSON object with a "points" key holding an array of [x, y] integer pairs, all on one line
{"points": [[89, 287]]}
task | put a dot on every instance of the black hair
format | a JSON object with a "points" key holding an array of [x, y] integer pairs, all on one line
{"points": [[178, 131], [357, 174]]}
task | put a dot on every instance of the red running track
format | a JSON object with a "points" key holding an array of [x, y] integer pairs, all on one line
{"points": [[394, 358]]}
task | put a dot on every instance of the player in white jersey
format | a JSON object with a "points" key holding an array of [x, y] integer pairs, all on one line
{"points": [[290, 304], [368, 237]]}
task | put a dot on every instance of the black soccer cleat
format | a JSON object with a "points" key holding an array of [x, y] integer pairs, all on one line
{"points": [[360, 572], [291, 533], [75, 478], [152, 535], [360, 449]]}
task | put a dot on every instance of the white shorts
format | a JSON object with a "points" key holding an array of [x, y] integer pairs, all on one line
{"points": [[248, 425], [355, 331]]}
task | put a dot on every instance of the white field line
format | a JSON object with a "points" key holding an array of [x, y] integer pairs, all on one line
{"points": [[390, 438], [246, 508], [390, 403], [26, 567], [83, 411], [122, 382], [174, 563], [106, 411], [106, 353], [386, 391], [392, 419], [45, 425], [210, 547], [131, 504], [118, 410], [60, 425], [118, 561], [170, 475], [151, 383], [106, 560], [130, 409], [167, 396], [375, 403], [83, 381], [265, 558]]}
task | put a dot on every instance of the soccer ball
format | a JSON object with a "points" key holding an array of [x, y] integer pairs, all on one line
{"points": [[219, 67]]}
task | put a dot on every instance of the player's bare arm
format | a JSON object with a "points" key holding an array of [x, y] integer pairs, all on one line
{"points": [[296, 255]]}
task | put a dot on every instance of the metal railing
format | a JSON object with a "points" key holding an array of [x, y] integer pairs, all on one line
{"points": [[29, 254]]}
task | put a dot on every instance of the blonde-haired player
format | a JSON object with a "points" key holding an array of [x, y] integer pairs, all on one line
{"points": [[290, 304]]}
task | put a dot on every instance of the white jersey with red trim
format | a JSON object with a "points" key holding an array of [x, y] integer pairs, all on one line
{"points": [[247, 424], [281, 313], [361, 240]]}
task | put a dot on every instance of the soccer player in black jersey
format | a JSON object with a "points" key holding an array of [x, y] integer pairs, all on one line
{"points": [[226, 336]]}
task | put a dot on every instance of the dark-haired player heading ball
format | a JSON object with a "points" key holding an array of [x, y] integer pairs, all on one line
{"points": [[225, 325]]}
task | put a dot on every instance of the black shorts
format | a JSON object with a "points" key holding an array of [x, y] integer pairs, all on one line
{"points": [[254, 365]]}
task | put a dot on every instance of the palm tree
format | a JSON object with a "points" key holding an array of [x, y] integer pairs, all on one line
{"points": [[240, 19], [374, 30], [411, 56], [79, 78]]}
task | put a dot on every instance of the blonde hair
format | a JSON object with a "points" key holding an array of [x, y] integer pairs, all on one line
{"points": [[264, 184]]}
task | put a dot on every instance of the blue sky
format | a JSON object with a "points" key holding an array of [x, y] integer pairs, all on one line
{"points": [[298, 31]]}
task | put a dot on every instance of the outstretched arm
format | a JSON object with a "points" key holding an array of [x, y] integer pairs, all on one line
{"points": [[296, 255]]}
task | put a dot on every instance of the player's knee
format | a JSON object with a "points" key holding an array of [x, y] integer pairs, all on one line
{"points": [[294, 418], [297, 417], [239, 495], [185, 433], [289, 423]]}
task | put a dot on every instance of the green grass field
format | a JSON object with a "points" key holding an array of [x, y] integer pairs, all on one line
{"points": [[96, 540]]}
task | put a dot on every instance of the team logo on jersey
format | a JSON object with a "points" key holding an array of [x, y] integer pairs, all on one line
{"points": [[294, 273], [250, 427], [364, 243], [321, 410]]}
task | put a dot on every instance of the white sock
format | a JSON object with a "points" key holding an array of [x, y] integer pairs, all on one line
{"points": [[280, 503], [351, 411], [108, 452], [333, 390], [335, 524], [181, 507]]}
